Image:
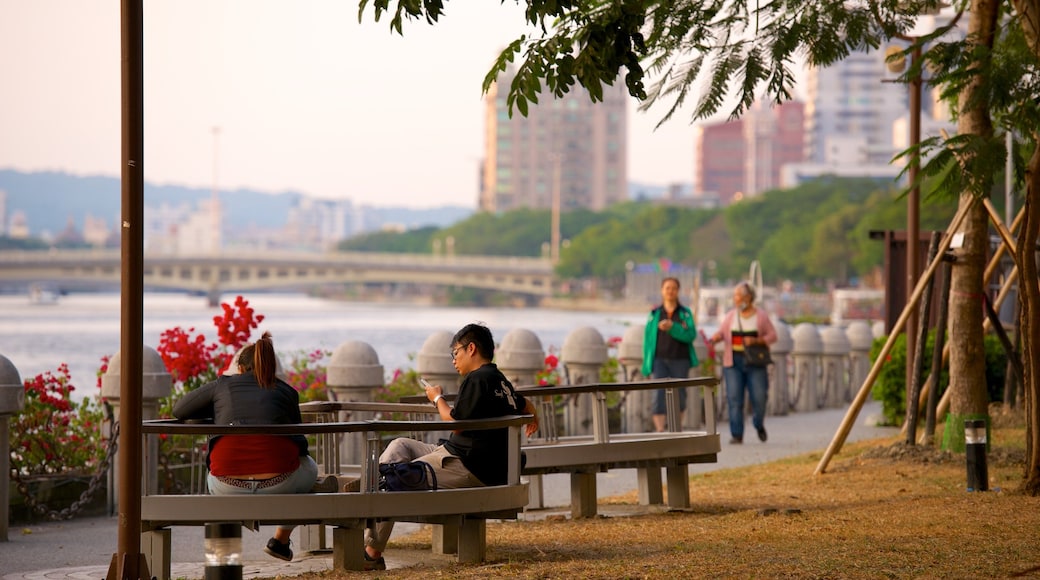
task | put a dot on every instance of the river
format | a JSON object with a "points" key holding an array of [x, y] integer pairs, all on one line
{"points": [[78, 329]]}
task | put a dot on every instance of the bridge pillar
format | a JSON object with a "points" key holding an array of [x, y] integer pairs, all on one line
{"points": [[12, 401], [156, 383], [354, 373], [584, 352], [213, 296]]}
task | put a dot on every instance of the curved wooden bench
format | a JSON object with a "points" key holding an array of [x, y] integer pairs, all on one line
{"points": [[462, 510]]}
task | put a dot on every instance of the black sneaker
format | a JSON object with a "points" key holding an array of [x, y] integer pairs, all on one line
{"points": [[736, 440], [762, 435], [279, 550], [327, 484], [374, 563]]}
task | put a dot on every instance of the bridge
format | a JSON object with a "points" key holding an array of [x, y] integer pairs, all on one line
{"points": [[215, 274]]}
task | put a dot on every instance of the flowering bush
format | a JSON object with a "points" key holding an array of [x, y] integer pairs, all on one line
{"points": [[550, 373], [53, 434], [307, 374]]}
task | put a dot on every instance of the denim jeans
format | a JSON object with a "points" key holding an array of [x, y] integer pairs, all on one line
{"points": [[755, 381], [670, 369], [301, 481]]}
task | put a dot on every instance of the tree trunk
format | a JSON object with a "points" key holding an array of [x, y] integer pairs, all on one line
{"points": [[1029, 291], [968, 395], [1029, 300]]}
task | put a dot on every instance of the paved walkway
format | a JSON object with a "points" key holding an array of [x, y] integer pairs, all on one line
{"points": [[83, 548]]}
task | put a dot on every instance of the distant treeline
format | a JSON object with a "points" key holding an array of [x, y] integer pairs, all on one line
{"points": [[817, 232]]}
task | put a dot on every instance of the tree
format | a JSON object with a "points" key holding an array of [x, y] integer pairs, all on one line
{"points": [[727, 51]]}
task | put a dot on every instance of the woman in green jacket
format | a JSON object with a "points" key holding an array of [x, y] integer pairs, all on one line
{"points": [[668, 347]]}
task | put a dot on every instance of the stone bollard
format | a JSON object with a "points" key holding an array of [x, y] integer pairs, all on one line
{"points": [[434, 362], [156, 383], [861, 339], [12, 401], [835, 359], [808, 347], [694, 416], [583, 354], [354, 373], [636, 415], [520, 357], [878, 329], [779, 380]]}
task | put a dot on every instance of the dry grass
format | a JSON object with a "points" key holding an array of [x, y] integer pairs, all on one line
{"points": [[882, 510]]}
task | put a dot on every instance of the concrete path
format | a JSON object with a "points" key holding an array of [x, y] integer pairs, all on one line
{"points": [[83, 548]]}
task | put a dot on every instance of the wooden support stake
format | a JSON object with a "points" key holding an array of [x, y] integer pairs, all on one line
{"points": [[861, 396]]}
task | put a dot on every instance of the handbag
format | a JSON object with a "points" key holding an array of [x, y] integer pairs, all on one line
{"points": [[411, 476], [755, 355]]}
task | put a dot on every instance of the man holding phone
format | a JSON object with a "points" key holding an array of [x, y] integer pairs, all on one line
{"points": [[466, 458]]}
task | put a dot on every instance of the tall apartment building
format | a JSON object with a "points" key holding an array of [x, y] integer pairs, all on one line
{"points": [[720, 160], [850, 111], [741, 158], [570, 145]]}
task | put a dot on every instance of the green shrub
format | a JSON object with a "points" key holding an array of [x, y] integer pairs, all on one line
{"points": [[890, 386]]}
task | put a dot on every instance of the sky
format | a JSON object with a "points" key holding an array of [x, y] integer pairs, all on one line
{"points": [[277, 95]]}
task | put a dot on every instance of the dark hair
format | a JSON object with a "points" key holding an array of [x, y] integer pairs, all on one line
{"points": [[671, 279], [748, 289], [259, 358], [479, 335]]}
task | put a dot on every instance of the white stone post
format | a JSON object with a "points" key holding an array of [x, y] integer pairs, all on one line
{"points": [[12, 401], [835, 360], [354, 373], [156, 384], [434, 362], [806, 356], [583, 354], [861, 339], [636, 417], [779, 380], [520, 357]]}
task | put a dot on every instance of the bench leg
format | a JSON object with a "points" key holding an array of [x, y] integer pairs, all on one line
{"points": [[312, 538], [446, 538], [348, 548], [155, 545], [678, 486], [472, 539], [583, 495], [649, 479], [535, 492]]}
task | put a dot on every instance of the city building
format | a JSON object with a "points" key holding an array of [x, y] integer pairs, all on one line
{"points": [[719, 167], [744, 157], [849, 99], [570, 147]]}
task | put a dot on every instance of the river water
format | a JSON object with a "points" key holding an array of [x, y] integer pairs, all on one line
{"points": [[81, 328]]}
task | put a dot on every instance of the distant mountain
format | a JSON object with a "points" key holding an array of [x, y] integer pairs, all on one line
{"points": [[49, 199]]}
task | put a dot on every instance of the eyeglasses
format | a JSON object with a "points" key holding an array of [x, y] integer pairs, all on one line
{"points": [[455, 351]]}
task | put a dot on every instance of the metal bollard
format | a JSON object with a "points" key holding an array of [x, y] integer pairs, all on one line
{"points": [[975, 454], [223, 546]]}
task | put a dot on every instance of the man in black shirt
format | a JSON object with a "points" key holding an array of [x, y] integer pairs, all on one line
{"points": [[467, 458]]}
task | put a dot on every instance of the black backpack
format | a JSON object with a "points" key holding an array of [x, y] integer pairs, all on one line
{"points": [[412, 476]]}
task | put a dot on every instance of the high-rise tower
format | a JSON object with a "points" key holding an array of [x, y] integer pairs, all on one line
{"points": [[570, 146]]}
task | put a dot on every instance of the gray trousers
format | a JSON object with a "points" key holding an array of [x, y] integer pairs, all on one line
{"points": [[451, 474]]}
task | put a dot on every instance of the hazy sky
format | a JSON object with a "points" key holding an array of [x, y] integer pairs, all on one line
{"points": [[304, 96]]}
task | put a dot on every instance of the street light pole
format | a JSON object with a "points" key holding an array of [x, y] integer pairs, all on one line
{"points": [[913, 208]]}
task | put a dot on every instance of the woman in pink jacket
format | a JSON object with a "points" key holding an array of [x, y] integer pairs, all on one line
{"points": [[743, 325]]}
